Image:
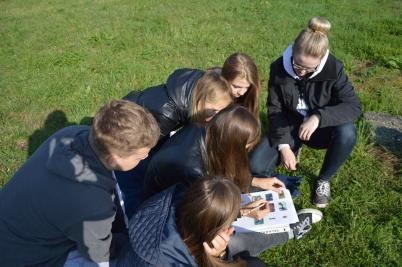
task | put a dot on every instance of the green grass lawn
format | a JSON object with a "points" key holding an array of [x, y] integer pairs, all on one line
{"points": [[61, 60]]}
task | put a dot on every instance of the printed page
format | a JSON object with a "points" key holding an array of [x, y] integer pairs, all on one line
{"points": [[282, 212]]}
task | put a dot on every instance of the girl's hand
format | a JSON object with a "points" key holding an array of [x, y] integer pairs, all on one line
{"points": [[272, 183], [257, 209], [308, 127], [288, 159], [219, 243]]}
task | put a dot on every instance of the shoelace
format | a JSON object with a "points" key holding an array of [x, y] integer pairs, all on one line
{"points": [[303, 228], [323, 189]]}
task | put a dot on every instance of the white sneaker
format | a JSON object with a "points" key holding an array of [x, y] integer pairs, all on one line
{"points": [[306, 218], [316, 215]]}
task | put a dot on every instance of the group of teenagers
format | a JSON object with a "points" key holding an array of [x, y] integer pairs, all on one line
{"points": [[157, 179]]}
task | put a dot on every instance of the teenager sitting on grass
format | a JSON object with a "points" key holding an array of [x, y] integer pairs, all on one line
{"points": [[312, 102], [192, 95], [62, 206], [220, 149], [180, 227], [187, 94]]}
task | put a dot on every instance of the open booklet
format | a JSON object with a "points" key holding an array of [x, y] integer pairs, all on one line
{"points": [[282, 213]]}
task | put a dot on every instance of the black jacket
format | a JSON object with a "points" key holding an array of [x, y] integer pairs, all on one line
{"points": [[169, 103], [61, 199], [182, 159], [179, 160], [153, 234], [328, 94]]}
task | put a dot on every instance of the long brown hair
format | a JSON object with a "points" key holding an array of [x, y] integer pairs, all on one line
{"points": [[241, 66], [227, 136], [212, 88], [313, 40], [208, 207]]}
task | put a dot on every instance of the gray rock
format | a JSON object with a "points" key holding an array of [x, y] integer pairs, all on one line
{"points": [[387, 130]]}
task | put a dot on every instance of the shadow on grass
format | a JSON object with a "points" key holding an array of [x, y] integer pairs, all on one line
{"points": [[55, 121]]}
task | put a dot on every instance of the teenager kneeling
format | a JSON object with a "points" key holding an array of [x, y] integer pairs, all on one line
{"points": [[62, 206], [170, 229], [312, 102], [220, 148]]}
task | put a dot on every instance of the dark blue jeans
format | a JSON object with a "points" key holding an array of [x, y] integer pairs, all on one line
{"points": [[339, 142], [263, 159]]}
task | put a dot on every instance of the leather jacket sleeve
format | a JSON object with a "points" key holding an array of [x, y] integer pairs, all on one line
{"points": [[156, 100]]}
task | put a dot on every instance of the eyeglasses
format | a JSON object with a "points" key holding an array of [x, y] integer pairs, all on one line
{"points": [[300, 67]]}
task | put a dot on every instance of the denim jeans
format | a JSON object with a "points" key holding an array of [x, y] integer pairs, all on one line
{"points": [[254, 242], [339, 142], [74, 259], [263, 159]]}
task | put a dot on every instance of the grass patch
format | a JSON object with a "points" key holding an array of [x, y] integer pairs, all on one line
{"points": [[61, 60]]}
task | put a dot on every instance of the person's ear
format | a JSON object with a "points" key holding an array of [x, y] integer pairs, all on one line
{"points": [[112, 160]]}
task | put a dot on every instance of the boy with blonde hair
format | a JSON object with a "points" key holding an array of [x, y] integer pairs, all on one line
{"points": [[63, 201]]}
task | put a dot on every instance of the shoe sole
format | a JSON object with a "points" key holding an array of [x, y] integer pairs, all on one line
{"points": [[321, 205], [316, 215]]}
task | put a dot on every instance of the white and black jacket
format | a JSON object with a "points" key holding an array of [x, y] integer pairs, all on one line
{"points": [[327, 92]]}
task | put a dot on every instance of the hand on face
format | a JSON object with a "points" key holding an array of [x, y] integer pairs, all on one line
{"points": [[219, 243], [288, 159], [308, 127]]}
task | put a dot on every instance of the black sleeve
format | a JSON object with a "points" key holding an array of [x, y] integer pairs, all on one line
{"points": [[279, 131], [345, 105], [156, 100]]}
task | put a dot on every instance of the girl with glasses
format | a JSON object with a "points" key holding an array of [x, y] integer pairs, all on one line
{"points": [[312, 102]]}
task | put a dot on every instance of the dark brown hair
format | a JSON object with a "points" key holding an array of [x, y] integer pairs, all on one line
{"points": [[227, 136], [209, 206], [241, 66], [121, 127]]}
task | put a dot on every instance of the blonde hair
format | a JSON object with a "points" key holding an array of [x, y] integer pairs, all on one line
{"points": [[212, 88], [313, 40], [241, 66], [120, 127]]}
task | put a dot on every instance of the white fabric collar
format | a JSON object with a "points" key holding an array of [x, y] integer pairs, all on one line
{"points": [[287, 63]]}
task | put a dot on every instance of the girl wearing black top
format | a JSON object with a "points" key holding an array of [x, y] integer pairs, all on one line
{"points": [[312, 102]]}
